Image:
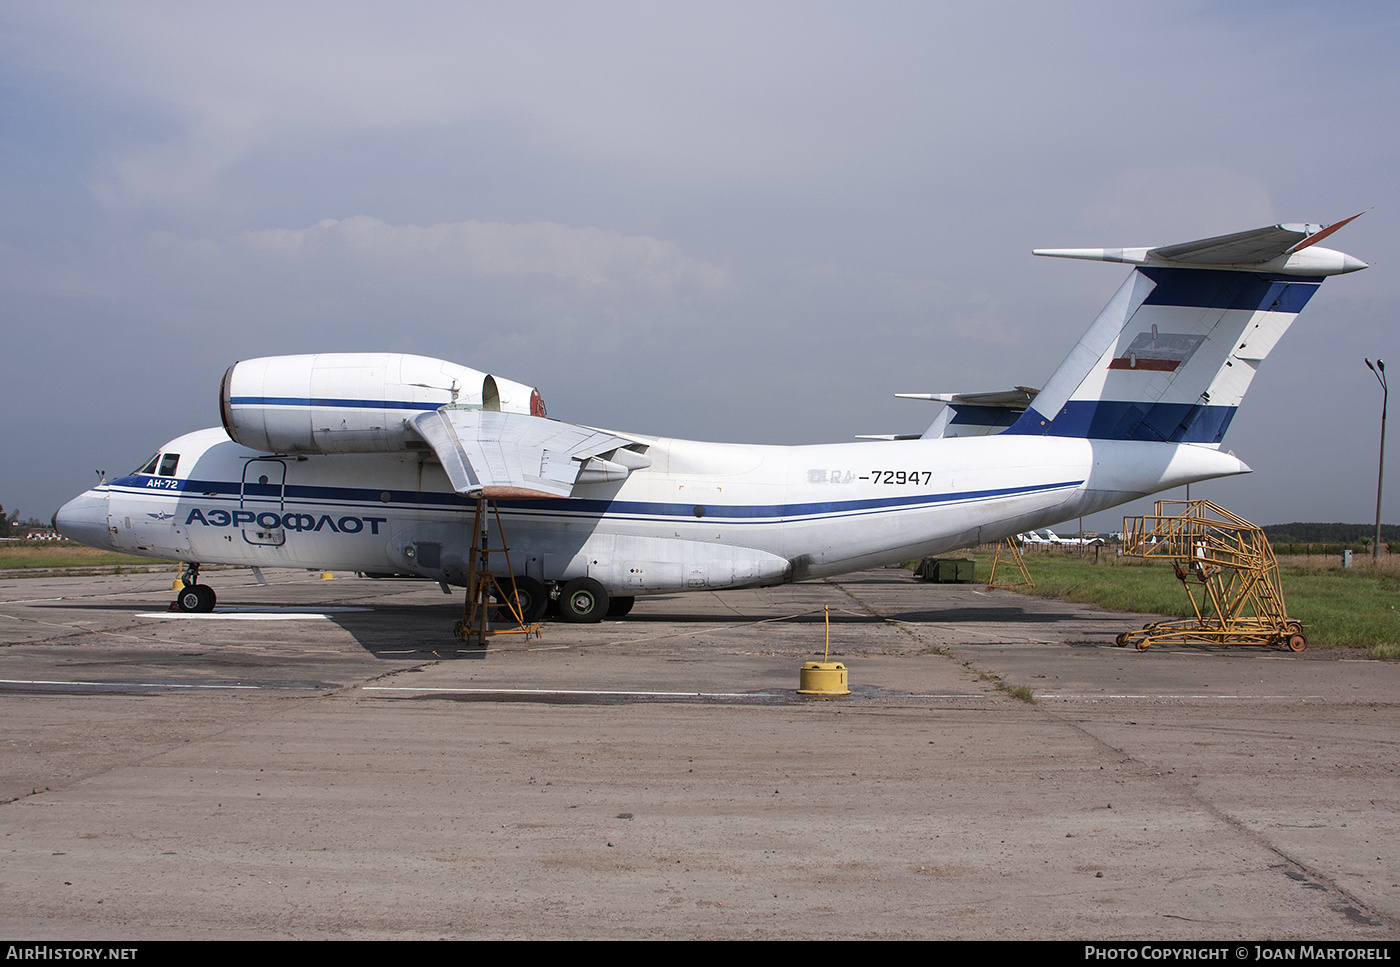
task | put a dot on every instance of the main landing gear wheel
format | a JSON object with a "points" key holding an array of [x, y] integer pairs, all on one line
{"points": [[530, 593], [583, 601], [621, 606], [196, 599]]}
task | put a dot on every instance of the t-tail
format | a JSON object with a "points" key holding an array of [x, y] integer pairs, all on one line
{"points": [[1172, 354]]}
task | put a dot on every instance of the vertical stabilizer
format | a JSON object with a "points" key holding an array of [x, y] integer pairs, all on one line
{"points": [[1170, 357]]}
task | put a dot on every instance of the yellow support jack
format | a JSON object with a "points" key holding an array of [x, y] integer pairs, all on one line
{"points": [[1228, 570], [1013, 556], [489, 590]]}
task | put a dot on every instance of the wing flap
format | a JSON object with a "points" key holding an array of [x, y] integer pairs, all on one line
{"points": [[488, 453]]}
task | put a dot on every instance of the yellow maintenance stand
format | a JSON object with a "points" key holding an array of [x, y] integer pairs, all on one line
{"points": [[1014, 559], [490, 590], [1228, 570]]}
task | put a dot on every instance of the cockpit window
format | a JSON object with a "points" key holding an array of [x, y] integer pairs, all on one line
{"points": [[150, 467], [168, 463]]}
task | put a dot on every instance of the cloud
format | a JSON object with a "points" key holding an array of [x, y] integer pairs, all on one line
{"points": [[492, 250]]}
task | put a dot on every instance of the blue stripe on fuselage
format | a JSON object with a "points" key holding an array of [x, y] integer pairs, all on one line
{"points": [[735, 513]]}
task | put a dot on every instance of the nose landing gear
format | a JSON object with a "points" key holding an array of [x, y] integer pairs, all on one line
{"points": [[193, 598]]}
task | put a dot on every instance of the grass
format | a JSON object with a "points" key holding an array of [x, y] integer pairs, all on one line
{"points": [[62, 555], [1019, 692], [1355, 606]]}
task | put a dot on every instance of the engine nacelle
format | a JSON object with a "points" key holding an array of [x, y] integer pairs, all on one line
{"points": [[353, 402]]}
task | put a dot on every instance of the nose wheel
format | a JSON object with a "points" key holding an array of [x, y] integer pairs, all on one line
{"points": [[194, 598]]}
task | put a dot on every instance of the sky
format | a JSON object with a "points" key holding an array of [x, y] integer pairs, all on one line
{"points": [[750, 222]]}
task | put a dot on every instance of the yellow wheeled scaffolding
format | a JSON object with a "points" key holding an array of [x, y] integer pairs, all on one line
{"points": [[1013, 559], [489, 590], [1228, 570]]}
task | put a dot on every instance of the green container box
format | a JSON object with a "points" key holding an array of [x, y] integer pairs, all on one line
{"points": [[946, 570]]}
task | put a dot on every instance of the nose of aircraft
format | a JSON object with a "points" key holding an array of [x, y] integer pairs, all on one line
{"points": [[84, 519]]}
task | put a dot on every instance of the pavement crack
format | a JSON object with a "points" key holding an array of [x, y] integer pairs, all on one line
{"points": [[1293, 867]]}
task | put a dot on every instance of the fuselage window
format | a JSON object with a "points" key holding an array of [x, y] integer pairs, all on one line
{"points": [[150, 467], [168, 463]]}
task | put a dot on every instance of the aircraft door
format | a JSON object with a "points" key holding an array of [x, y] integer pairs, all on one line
{"points": [[260, 502]]}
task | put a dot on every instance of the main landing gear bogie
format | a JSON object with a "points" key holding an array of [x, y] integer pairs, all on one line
{"points": [[580, 601]]}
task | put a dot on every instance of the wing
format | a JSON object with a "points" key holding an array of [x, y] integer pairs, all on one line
{"points": [[487, 453]]}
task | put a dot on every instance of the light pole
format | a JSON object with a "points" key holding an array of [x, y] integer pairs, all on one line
{"points": [[1379, 370]]}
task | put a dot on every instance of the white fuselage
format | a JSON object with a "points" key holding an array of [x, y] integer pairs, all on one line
{"points": [[702, 516]]}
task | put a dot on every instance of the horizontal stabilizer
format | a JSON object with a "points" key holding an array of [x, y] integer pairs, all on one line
{"points": [[975, 414], [1015, 399], [502, 455], [1285, 249]]}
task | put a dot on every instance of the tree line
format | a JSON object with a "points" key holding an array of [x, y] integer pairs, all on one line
{"points": [[10, 524], [1314, 533]]}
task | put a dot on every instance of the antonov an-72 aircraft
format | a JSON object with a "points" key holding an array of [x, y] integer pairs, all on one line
{"points": [[374, 462]]}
